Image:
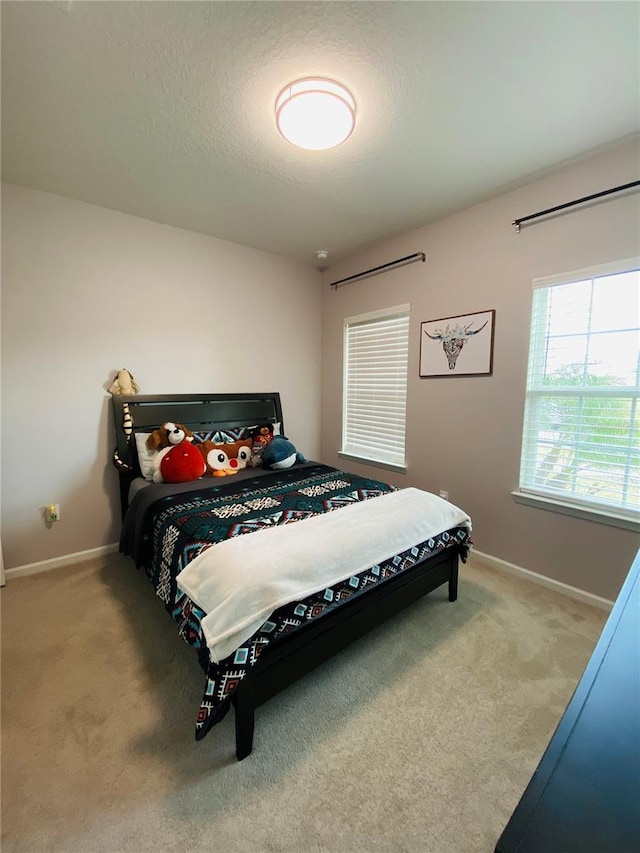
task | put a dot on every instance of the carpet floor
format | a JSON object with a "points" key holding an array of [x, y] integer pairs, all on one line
{"points": [[418, 738]]}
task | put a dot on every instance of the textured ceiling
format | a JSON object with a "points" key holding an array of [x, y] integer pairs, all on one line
{"points": [[165, 109]]}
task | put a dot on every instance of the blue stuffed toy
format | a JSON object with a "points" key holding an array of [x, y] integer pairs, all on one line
{"points": [[280, 453]]}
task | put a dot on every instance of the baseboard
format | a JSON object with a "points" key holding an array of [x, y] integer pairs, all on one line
{"points": [[56, 562], [542, 580], [492, 562]]}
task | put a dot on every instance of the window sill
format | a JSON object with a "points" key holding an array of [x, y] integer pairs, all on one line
{"points": [[599, 516], [389, 466]]}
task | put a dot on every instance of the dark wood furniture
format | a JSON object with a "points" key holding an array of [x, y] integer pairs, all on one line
{"points": [[585, 795], [195, 411], [298, 653]]}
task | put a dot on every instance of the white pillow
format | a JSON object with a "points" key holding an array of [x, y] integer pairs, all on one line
{"points": [[145, 456]]}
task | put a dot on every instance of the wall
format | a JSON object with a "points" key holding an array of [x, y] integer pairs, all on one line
{"points": [[86, 291], [463, 434]]}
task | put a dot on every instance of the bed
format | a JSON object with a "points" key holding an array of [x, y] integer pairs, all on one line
{"points": [[335, 553]]}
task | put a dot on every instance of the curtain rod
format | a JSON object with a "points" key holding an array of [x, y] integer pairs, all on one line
{"points": [[409, 259], [518, 222]]}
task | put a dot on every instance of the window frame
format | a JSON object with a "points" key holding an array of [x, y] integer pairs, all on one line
{"points": [[531, 495], [350, 450]]}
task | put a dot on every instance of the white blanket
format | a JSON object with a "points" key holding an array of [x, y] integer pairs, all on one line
{"points": [[240, 581]]}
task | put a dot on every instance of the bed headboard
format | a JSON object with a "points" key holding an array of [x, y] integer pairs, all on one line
{"points": [[198, 412]]}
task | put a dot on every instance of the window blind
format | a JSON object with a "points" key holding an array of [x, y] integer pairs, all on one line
{"points": [[581, 438], [375, 385]]}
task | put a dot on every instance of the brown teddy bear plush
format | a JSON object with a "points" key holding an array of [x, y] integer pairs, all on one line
{"points": [[179, 467], [224, 459]]}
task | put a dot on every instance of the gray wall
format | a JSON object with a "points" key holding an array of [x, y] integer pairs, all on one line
{"points": [[463, 434], [86, 291]]}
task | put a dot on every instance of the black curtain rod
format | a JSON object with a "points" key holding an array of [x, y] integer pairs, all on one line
{"points": [[518, 222], [409, 259]]}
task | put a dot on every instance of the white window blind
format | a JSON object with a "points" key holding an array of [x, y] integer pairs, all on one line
{"points": [[375, 385], [581, 440]]}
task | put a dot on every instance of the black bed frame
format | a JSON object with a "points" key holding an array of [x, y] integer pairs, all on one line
{"points": [[198, 412], [298, 653]]}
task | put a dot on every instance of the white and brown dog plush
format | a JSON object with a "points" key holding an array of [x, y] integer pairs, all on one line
{"points": [[162, 440]]}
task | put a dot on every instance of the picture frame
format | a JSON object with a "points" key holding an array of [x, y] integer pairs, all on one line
{"points": [[457, 346]]}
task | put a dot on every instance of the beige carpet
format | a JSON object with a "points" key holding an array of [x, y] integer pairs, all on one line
{"points": [[420, 738]]}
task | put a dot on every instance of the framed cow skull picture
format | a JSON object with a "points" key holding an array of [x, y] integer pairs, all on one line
{"points": [[457, 346]]}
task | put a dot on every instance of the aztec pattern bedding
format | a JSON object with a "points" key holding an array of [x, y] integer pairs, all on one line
{"points": [[167, 533]]}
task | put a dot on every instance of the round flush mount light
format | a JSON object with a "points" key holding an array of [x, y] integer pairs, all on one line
{"points": [[315, 113]]}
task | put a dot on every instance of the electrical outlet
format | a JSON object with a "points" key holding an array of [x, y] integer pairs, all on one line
{"points": [[52, 513]]}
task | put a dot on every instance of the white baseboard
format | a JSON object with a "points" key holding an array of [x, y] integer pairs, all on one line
{"points": [[542, 580], [492, 562], [56, 562]]}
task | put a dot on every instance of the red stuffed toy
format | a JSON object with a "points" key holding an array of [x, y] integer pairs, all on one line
{"points": [[177, 461], [181, 464]]}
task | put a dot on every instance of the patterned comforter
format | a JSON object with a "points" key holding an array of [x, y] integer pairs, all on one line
{"points": [[164, 535]]}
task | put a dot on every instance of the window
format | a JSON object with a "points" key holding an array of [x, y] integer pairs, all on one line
{"points": [[581, 441], [375, 386]]}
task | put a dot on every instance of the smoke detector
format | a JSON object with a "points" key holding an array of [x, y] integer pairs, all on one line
{"points": [[322, 257]]}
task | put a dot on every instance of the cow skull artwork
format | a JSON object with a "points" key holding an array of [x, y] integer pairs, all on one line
{"points": [[454, 339], [453, 333]]}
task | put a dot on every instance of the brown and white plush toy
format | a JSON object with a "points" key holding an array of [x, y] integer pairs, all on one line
{"points": [[168, 435], [176, 460], [225, 459], [124, 383]]}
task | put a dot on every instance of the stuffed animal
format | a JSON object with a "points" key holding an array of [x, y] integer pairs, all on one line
{"points": [[168, 435], [261, 437], [181, 464], [124, 383], [163, 439], [224, 459], [280, 453]]}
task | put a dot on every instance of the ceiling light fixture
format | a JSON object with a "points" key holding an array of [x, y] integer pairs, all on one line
{"points": [[315, 113]]}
